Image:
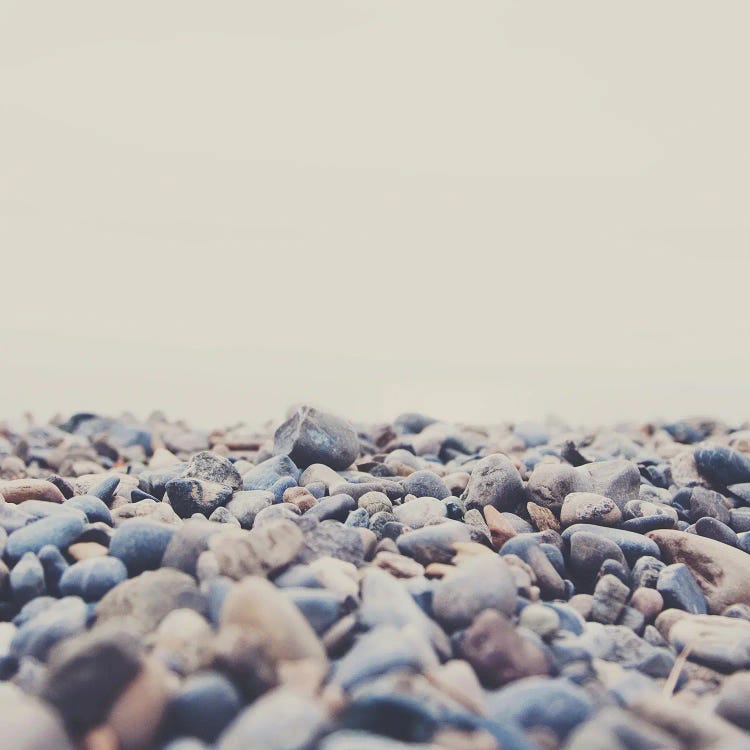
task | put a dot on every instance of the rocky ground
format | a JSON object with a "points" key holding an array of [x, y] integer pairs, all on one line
{"points": [[374, 587]]}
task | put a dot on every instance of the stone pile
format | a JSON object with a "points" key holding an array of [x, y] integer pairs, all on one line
{"points": [[330, 586]]}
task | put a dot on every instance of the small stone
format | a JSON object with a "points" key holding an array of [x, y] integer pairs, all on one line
{"points": [[500, 528], [203, 707], [550, 484], [588, 507], [311, 436], [59, 531], [722, 466], [86, 550], [27, 579], [20, 490], [648, 601], [433, 543], [543, 518], [425, 483], [65, 618]]}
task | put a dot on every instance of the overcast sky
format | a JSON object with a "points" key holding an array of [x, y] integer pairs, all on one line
{"points": [[483, 210]]}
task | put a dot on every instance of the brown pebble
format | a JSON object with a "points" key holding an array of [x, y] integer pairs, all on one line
{"points": [[649, 602], [20, 490], [501, 529], [543, 518]]}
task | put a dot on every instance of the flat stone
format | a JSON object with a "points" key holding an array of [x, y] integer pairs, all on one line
{"points": [[588, 507], [722, 643], [610, 595], [58, 531], [722, 572], [20, 490], [632, 545], [420, 511]]}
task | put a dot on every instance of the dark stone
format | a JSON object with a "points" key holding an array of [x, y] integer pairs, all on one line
{"points": [[494, 481], [714, 529], [314, 437], [211, 467], [425, 483], [632, 545], [87, 676], [188, 496], [336, 508], [27, 579], [59, 531], [93, 507], [680, 590], [722, 466], [203, 707], [141, 544], [91, 579]]}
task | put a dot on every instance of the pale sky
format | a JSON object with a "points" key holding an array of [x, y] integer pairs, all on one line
{"points": [[484, 210]]}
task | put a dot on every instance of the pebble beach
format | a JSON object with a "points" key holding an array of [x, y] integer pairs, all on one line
{"points": [[318, 584]]}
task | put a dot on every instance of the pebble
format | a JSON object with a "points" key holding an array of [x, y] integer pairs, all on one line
{"points": [[91, 579], [588, 507], [420, 511], [58, 531], [140, 545], [618, 480], [498, 653], [722, 572], [550, 484], [311, 437], [27, 579], [680, 590], [484, 582], [188, 496], [433, 543], [494, 481], [425, 483], [610, 595], [722, 466]]}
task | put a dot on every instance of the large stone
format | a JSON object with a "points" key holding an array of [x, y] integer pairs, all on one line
{"points": [[20, 490], [257, 605], [484, 582], [150, 597], [550, 484], [266, 550], [280, 720], [618, 480], [722, 466], [494, 481], [722, 572], [311, 437], [214, 468], [433, 543], [28, 723], [498, 653]]}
